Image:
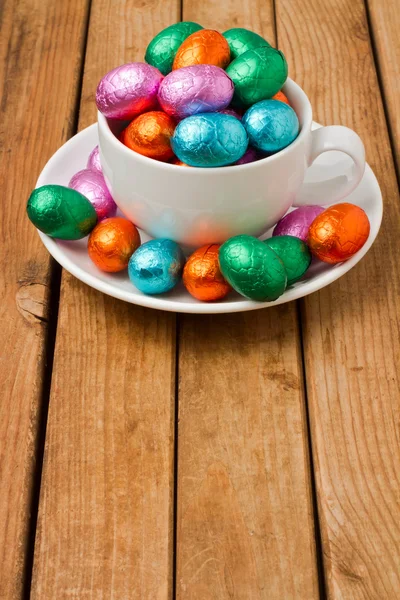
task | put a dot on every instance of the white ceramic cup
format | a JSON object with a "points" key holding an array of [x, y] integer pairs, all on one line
{"points": [[195, 206]]}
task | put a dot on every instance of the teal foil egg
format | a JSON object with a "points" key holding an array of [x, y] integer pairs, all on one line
{"points": [[161, 51], [271, 125], [156, 266], [294, 254], [209, 140], [61, 212], [252, 269], [240, 40], [257, 74]]}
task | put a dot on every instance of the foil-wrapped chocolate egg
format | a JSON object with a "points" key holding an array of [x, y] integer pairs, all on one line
{"points": [[257, 74], [150, 134], [297, 222], [251, 155], [281, 97], [156, 267], [162, 49], [196, 89], [338, 233], [112, 243], [93, 162], [209, 140], [128, 91], [240, 40], [271, 125], [204, 47], [93, 186], [232, 112], [252, 269], [202, 276], [294, 254], [61, 212], [178, 163]]}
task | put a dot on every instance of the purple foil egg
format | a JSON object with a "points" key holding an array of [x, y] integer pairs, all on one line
{"points": [[231, 112], [92, 185], [93, 162], [195, 89], [251, 155], [297, 222], [128, 90]]}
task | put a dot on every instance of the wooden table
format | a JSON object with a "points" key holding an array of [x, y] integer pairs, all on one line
{"points": [[147, 455]]}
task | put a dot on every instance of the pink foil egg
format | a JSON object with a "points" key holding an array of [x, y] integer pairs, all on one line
{"points": [[195, 89], [92, 185], [297, 223], [231, 112], [93, 162], [251, 155], [128, 91]]}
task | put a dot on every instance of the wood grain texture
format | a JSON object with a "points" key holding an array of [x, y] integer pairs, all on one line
{"points": [[385, 23], [245, 523], [105, 513], [351, 328], [105, 518], [41, 53]]}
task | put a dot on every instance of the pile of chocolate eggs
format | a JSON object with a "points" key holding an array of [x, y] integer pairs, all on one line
{"points": [[262, 270], [202, 98], [258, 270]]}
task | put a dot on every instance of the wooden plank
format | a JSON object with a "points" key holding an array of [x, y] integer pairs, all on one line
{"points": [[385, 23], [41, 54], [105, 518], [351, 328], [245, 522]]}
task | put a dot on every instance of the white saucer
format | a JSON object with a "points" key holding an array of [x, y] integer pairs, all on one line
{"points": [[73, 256]]}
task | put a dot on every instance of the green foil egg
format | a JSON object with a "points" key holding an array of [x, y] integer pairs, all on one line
{"points": [[252, 269], [257, 74], [161, 51], [294, 254], [240, 40], [61, 212]]}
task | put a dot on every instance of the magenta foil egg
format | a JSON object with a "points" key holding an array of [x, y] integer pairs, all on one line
{"points": [[251, 155], [128, 90], [195, 89], [231, 112], [93, 162], [297, 223], [92, 185]]}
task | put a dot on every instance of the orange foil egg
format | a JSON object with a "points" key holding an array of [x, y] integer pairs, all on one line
{"points": [[338, 233], [204, 47], [281, 97], [202, 276], [150, 134], [112, 243]]}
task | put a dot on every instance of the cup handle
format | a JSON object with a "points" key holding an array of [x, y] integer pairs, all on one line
{"points": [[329, 184]]}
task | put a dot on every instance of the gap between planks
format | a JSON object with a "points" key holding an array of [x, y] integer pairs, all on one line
{"points": [[55, 282], [385, 93], [54, 300], [34, 35], [317, 528]]}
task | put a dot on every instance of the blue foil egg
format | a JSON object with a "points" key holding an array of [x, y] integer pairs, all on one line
{"points": [[271, 125], [209, 140], [156, 266]]}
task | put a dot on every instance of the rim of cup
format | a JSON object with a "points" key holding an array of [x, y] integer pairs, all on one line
{"points": [[292, 90]]}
